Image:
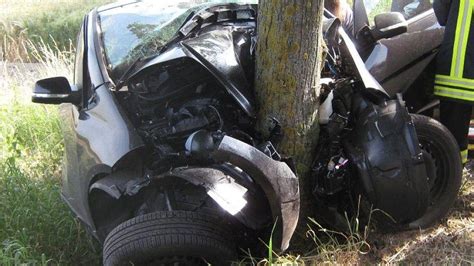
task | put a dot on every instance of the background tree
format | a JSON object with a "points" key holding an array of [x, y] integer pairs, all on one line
{"points": [[288, 66]]}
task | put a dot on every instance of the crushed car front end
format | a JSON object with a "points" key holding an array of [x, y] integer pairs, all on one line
{"points": [[166, 128]]}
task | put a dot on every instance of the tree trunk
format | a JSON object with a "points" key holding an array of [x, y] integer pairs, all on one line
{"points": [[288, 65]]}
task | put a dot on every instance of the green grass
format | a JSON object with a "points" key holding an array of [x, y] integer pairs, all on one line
{"points": [[36, 227], [381, 7], [56, 22]]}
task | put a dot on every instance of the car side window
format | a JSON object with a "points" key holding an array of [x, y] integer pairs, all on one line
{"points": [[409, 8]]}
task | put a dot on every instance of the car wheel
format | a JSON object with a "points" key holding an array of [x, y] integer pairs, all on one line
{"points": [[443, 165], [170, 238]]}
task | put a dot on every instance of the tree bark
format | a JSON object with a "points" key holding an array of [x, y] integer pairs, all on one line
{"points": [[288, 66]]}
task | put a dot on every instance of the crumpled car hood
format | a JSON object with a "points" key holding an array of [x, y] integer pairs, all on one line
{"points": [[225, 51]]}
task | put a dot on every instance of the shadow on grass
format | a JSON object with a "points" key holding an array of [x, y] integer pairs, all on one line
{"points": [[450, 242]]}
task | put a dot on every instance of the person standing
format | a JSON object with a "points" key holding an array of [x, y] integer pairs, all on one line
{"points": [[454, 79]]}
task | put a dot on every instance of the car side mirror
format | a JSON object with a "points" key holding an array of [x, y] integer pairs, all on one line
{"points": [[55, 91], [388, 25]]}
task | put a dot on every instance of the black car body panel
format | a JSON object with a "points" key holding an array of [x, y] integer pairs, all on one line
{"points": [[403, 63], [276, 179], [101, 140], [361, 71], [397, 62], [188, 112], [92, 153], [221, 53], [390, 164], [86, 130]]}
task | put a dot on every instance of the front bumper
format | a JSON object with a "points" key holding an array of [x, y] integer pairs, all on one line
{"points": [[277, 180]]}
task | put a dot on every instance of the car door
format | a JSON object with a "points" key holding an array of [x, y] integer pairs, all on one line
{"points": [[396, 62], [72, 164], [97, 133]]}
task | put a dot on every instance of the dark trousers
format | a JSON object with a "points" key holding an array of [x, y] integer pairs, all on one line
{"points": [[456, 116]]}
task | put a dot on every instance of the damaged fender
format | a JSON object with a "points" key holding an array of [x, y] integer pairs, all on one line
{"points": [[276, 178], [221, 187], [279, 183], [121, 183]]}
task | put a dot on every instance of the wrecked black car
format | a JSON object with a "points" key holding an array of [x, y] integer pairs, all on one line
{"points": [[163, 163], [399, 42], [401, 169]]}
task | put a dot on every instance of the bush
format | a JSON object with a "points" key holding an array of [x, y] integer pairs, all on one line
{"points": [[36, 227], [54, 22]]}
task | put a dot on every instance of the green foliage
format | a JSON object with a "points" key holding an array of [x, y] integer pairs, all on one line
{"points": [[35, 225], [270, 246], [55, 22], [381, 7]]}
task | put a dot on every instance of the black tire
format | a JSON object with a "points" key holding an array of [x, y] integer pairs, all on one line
{"points": [[444, 168], [170, 238]]}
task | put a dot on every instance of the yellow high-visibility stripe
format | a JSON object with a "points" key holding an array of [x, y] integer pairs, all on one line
{"points": [[461, 37], [470, 147], [448, 95], [456, 38], [464, 156], [441, 76], [454, 93], [467, 30], [452, 81], [460, 83], [457, 85]]}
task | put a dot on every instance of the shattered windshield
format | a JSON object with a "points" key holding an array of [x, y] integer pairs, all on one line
{"points": [[138, 30]]}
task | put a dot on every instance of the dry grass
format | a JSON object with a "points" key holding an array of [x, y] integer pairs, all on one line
{"points": [[54, 22], [50, 62], [55, 237], [36, 227], [450, 242]]}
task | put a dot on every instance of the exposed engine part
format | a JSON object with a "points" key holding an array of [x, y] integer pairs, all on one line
{"points": [[170, 102], [331, 166], [178, 125], [219, 186], [337, 105], [330, 169], [325, 109]]}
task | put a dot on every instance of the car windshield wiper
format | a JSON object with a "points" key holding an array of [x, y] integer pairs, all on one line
{"points": [[188, 18], [126, 75], [121, 81]]}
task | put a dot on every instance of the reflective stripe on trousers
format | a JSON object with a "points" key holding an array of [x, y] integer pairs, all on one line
{"points": [[463, 28], [454, 82], [450, 92]]}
